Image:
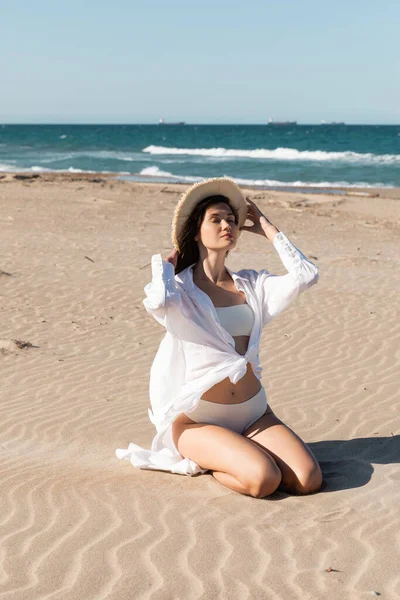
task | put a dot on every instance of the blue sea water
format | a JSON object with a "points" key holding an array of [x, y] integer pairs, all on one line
{"points": [[256, 155]]}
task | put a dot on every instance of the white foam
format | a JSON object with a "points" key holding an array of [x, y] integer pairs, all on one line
{"points": [[282, 154], [155, 172], [40, 169], [327, 184], [44, 170], [37, 169], [4, 168], [105, 154], [110, 154]]}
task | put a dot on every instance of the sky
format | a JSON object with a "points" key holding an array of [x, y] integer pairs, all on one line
{"points": [[211, 61]]}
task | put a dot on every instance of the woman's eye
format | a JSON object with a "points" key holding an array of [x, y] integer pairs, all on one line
{"points": [[216, 220]]}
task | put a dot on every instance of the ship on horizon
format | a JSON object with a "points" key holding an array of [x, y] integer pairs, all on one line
{"points": [[333, 123], [281, 123], [162, 122]]}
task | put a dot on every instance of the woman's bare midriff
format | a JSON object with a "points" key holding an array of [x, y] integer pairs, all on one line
{"points": [[226, 392]]}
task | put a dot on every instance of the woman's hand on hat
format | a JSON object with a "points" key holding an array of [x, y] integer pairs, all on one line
{"points": [[172, 257], [261, 225], [253, 214]]}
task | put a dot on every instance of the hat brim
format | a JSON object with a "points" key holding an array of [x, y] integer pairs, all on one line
{"points": [[209, 187]]}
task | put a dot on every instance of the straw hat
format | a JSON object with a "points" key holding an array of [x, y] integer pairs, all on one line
{"points": [[217, 186]]}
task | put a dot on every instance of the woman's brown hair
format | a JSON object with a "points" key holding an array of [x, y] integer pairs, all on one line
{"points": [[189, 250]]}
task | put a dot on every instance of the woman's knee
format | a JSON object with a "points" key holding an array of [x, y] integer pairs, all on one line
{"points": [[264, 480], [309, 480]]}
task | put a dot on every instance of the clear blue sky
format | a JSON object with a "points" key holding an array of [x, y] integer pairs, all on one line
{"points": [[206, 61]]}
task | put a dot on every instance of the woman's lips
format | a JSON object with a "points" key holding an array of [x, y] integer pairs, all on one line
{"points": [[228, 235]]}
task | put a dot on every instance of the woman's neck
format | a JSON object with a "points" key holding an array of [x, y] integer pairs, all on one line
{"points": [[211, 271]]}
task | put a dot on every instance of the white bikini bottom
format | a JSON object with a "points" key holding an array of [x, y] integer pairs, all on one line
{"points": [[237, 417]]}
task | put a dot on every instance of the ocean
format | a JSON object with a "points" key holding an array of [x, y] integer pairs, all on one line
{"points": [[291, 156]]}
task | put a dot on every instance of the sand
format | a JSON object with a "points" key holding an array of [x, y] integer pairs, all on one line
{"points": [[76, 346]]}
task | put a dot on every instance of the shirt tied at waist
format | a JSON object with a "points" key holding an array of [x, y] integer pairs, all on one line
{"points": [[192, 391]]}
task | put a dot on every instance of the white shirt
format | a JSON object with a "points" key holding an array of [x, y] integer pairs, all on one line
{"points": [[197, 352]]}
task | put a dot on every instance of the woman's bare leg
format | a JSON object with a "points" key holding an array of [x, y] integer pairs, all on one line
{"points": [[230, 481], [301, 473], [233, 460]]}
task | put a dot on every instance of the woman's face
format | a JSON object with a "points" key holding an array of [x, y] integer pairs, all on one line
{"points": [[218, 222]]}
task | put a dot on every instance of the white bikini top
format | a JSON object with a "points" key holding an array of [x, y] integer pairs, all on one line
{"points": [[237, 319]]}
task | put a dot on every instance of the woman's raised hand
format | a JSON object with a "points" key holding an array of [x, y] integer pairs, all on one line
{"points": [[254, 214], [172, 257]]}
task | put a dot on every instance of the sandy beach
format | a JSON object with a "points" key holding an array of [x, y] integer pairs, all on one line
{"points": [[76, 347]]}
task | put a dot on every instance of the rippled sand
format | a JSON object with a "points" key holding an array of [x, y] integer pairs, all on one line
{"points": [[76, 346]]}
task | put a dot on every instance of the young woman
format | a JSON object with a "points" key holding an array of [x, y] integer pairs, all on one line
{"points": [[208, 404]]}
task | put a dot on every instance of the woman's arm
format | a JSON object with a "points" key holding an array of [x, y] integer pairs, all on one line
{"points": [[162, 293], [278, 291]]}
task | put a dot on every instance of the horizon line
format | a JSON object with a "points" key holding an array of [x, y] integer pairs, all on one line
{"points": [[184, 123]]}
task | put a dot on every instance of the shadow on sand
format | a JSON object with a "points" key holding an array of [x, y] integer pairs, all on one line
{"points": [[348, 464]]}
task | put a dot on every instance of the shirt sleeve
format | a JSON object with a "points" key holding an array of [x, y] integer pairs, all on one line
{"points": [[162, 293], [278, 291]]}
